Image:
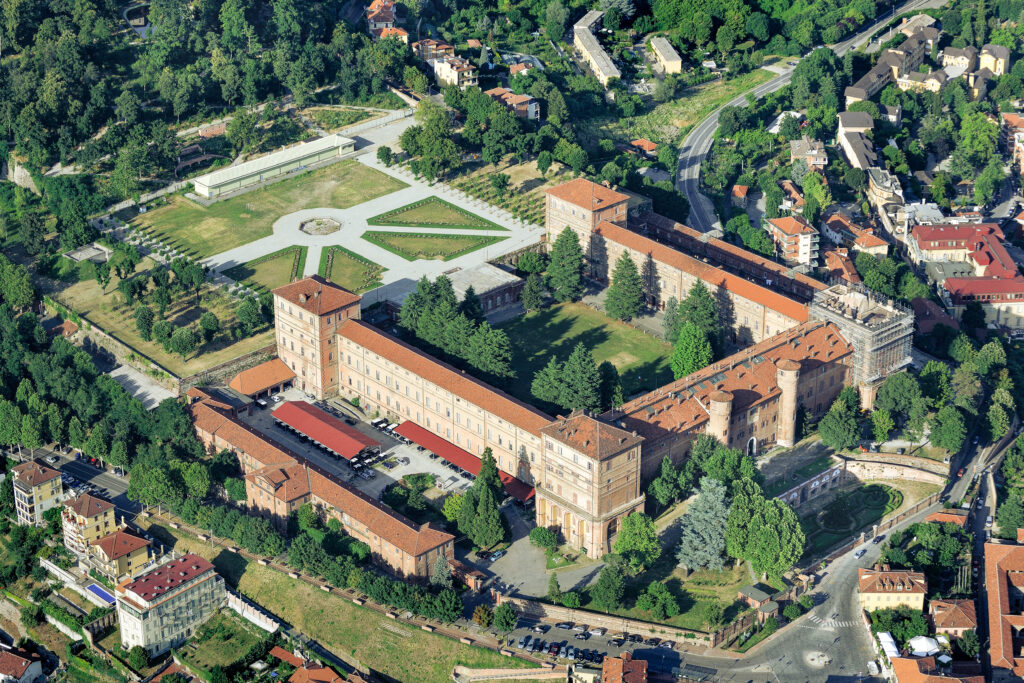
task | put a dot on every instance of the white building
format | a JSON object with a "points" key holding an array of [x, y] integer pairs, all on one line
{"points": [[273, 165], [163, 608], [20, 667]]}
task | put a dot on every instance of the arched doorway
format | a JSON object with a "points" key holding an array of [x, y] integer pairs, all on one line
{"points": [[752, 447]]}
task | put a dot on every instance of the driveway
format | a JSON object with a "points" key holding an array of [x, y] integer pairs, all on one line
{"points": [[141, 386]]}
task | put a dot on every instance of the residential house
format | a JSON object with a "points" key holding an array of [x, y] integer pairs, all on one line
{"points": [[752, 596], [792, 200], [738, 196], [37, 488], [399, 34], [85, 520], [995, 58], [933, 81], [164, 607], [119, 555], [841, 230], [812, 152], [624, 669], [883, 588], [666, 55], [953, 617], [961, 58], [645, 147], [520, 68], [19, 666], [380, 15], [796, 240], [455, 71], [840, 266], [428, 50], [523, 106]]}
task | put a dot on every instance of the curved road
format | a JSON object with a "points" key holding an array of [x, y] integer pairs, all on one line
{"points": [[697, 143]]}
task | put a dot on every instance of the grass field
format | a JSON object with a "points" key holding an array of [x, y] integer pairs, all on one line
{"points": [[221, 641], [105, 309], [398, 651], [415, 246], [671, 121], [350, 270], [433, 212], [334, 119], [524, 197], [642, 360], [271, 271], [203, 231]]}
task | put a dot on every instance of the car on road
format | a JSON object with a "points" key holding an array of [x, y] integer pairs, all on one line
{"points": [[878, 539], [52, 459], [564, 625], [667, 644], [960, 473], [498, 555], [859, 554], [975, 441], [540, 628]]}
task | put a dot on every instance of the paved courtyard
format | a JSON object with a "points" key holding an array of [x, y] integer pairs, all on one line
{"points": [[399, 273]]}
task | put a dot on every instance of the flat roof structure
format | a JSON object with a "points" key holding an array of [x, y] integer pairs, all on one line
{"points": [[323, 429], [516, 488], [483, 278], [666, 54], [272, 165]]}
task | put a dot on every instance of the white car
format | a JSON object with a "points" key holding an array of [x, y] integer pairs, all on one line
{"points": [[860, 553]]}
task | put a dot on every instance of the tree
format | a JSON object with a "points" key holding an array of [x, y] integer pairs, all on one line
{"points": [[483, 616], [699, 308], [385, 155], [702, 529], [183, 341], [31, 432], [571, 599], [665, 487], [611, 386], [838, 429], [998, 421], [547, 382], [948, 429], [792, 611], [209, 324], [625, 296], [499, 183], [637, 541], [471, 307], [581, 381], [691, 352], [554, 591], [505, 617], [565, 272], [881, 424], [555, 17], [138, 658], [545, 538], [968, 643], [144, 321], [487, 529], [713, 614], [452, 505], [1010, 516], [897, 393], [671, 320], [533, 293], [31, 615], [777, 540], [608, 591]]}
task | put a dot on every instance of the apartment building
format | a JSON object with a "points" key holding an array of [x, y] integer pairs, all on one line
{"points": [[85, 520], [666, 55], [589, 47], [119, 555], [841, 230], [307, 314], [278, 481], [979, 244], [748, 400], [455, 71], [961, 58], [589, 480], [796, 240], [523, 106], [811, 152], [163, 608], [1004, 590], [884, 588], [915, 81], [429, 49], [1002, 299], [994, 58], [37, 488]]}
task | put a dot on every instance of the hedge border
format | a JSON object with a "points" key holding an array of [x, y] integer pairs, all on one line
{"points": [[327, 264], [373, 237], [382, 219], [298, 264]]}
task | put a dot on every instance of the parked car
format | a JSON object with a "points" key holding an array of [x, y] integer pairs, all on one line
{"points": [[484, 555], [667, 644], [498, 555], [859, 554], [988, 521], [580, 627], [878, 539], [52, 459], [582, 636], [597, 631], [540, 628], [522, 642], [960, 473], [651, 641], [616, 642], [634, 638], [553, 649], [564, 625], [568, 652]]}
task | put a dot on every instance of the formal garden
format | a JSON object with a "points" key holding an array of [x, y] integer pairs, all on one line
{"points": [[349, 270], [202, 231], [433, 212], [272, 270], [848, 513], [430, 247]]}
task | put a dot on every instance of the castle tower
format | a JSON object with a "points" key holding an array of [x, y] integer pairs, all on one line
{"points": [[721, 415], [787, 377]]}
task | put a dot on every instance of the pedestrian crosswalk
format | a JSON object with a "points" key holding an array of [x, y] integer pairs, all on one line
{"points": [[831, 623]]}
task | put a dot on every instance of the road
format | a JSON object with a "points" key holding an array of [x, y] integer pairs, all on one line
{"points": [[111, 487], [697, 143]]}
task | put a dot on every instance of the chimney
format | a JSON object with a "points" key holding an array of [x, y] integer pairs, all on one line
{"points": [[302, 298]]}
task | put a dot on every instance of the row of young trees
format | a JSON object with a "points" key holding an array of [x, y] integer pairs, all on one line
{"points": [[435, 319], [579, 383]]}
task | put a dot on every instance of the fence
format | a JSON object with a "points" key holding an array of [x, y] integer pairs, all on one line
{"points": [[71, 581], [251, 613], [396, 115]]}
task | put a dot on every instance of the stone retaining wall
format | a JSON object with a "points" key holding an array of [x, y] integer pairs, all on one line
{"points": [[880, 470], [19, 175], [227, 369], [927, 464], [251, 612]]}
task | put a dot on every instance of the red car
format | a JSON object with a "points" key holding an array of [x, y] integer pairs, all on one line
{"points": [[960, 473]]}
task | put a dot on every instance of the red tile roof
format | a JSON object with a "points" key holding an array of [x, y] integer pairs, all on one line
{"points": [[947, 517], [644, 144], [516, 68], [240, 436], [312, 672], [789, 188], [317, 295], [715, 277], [473, 42], [840, 265], [924, 670], [624, 669], [468, 388], [323, 428], [174, 668], [287, 482], [982, 241], [1002, 561], [1013, 121], [264, 376], [119, 544], [953, 614], [464, 459], [167, 577], [591, 436], [34, 473], [889, 581], [965, 288], [740, 191], [88, 505], [587, 195], [285, 656], [13, 665], [793, 225], [389, 31]]}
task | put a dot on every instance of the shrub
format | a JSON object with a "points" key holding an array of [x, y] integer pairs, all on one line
{"points": [[138, 658], [542, 537]]}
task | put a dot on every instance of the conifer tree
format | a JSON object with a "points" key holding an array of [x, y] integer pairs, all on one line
{"points": [[699, 308], [487, 529], [547, 382], [471, 306], [611, 386], [565, 273], [625, 297], [581, 382], [670, 320], [692, 351], [533, 293]]}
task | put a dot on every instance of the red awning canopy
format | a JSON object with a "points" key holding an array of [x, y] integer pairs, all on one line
{"points": [[464, 459], [323, 428]]}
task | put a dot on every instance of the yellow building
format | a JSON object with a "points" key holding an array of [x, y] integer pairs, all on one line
{"points": [[37, 488], [882, 588], [119, 555], [87, 519], [995, 58]]}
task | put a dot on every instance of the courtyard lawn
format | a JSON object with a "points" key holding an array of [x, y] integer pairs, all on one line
{"points": [[416, 246], [203, 231], [399, 651], [221, 641], [671, 121], [271, 271], [350, 270], [641, 359], [105, 309], [433, 212]]}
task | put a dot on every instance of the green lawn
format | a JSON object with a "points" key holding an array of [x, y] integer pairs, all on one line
{"points": [[671, 121], [849, 513], [104, 307], [642, 359], [334, 119], [399, 651], [433, 212], [271, 271], [204, 231], [416, 246], [221, 641], [350, 270]]}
